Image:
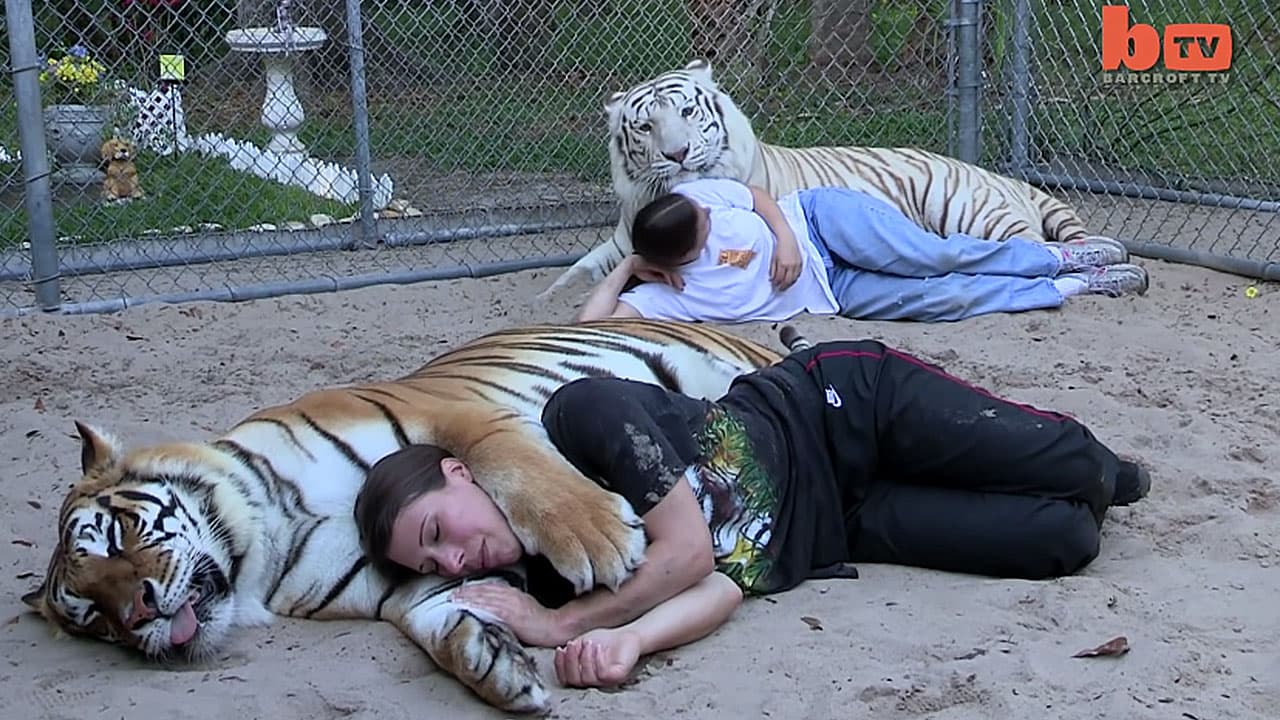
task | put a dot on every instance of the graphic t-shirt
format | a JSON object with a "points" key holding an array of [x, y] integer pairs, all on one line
{"points": [[729, 280], [758, 469]]}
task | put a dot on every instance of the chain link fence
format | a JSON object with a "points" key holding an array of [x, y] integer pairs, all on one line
{"points": [[465, 137], [1161, 130]]}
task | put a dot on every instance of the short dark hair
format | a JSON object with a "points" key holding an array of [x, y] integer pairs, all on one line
{"points": [[392, 483], [665, 230]]}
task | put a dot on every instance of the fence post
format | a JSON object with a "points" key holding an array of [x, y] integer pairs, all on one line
{"points": [[964, 24], [360, 109], [1020, 68], [37, 193]]}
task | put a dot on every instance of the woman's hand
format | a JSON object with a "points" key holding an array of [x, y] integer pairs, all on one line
{"points": [[600, 658], [787, 263], [527, 618], [650, 272]]}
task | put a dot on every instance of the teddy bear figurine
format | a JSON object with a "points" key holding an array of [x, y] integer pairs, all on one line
{"points": [[121, 181]]}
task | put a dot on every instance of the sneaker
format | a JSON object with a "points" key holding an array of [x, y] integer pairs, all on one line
{"points": [[1113, 280], [1133, 482], [1090, 252]]}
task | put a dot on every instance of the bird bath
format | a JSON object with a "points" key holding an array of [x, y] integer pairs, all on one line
{"points": [[281, 111]]}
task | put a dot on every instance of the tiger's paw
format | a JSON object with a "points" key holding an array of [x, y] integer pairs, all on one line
{"points": [[591, 539], [575, 274], [488, 658]]}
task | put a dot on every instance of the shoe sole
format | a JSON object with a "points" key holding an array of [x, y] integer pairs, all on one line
{"points": [[1140, 475]]}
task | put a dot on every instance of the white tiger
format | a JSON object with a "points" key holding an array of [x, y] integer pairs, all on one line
{"points": [[680, 126]]}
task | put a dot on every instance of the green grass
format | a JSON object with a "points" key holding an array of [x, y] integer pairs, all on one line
{"points": [[490, 118], [552, 120], [1196, 129], [181, 190]]}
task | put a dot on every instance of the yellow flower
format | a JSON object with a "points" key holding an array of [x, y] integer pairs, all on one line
{"points": [[1251, 292]]}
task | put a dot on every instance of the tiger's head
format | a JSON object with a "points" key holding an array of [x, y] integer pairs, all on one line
{"points": [[147, 548], [676, 127]]}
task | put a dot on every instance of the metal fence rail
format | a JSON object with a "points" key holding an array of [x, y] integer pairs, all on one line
{"points": [[302, 146], [1175, 160]]}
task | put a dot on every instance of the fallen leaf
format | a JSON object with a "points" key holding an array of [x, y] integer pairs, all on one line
{"points": [[32, 433], [134, 337], [225, 678], [812, 622], [971, 655], [24, 543], [1114, 646], [35, 504], [24, 575], [40, 404]]}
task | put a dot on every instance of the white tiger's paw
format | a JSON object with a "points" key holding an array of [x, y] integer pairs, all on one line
{"points": [[251, 613], [573, 275]]}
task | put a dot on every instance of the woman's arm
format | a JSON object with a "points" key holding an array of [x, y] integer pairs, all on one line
{"points": [[767, 208], [606, 657], [603, 301], [787, 263], [679, 554]]}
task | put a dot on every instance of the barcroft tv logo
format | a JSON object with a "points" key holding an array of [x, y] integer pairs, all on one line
{"points": [[1186, 49]]}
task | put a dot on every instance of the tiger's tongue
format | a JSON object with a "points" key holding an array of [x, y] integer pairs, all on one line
{"points": [[183, 626]]}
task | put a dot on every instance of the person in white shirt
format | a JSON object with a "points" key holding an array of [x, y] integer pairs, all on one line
{"points": [[719, 250]]}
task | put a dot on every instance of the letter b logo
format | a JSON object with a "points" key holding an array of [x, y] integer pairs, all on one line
{"points": [[1138, 47]]}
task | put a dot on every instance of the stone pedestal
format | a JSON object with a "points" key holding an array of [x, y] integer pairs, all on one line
{"points": [[282, 112]]}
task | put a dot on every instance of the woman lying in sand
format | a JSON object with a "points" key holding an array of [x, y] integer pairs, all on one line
{"points": [[719, 250], [842, 453]]}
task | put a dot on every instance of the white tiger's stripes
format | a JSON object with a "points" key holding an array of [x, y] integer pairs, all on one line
{"points": [[652, 123]]}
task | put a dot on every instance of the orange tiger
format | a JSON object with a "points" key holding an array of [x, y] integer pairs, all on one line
{"points": [[168, 549]]}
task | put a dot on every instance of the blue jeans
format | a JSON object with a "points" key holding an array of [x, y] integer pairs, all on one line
{"points": [[882, 266]]}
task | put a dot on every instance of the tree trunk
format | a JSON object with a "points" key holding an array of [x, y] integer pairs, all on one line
{"points": [[519, 31], [721, 31], [838, 45]]}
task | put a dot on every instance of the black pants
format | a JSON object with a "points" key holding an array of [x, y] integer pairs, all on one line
{"points": [[938, 473]]}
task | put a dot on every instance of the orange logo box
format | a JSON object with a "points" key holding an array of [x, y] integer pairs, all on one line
{"points": [[1187, 47]]}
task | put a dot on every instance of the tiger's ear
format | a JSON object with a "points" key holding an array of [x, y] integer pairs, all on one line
{"points": [[35, 598], [97, 449], [613, 101], [700, 68]]}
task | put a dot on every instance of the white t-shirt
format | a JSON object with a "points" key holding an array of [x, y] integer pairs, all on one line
{"points": [[729, 280]]}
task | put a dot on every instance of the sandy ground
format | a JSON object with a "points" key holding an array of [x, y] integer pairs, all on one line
{"points": [[1185, 378]]}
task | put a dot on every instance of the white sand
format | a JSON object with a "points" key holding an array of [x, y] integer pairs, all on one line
{"points": [[1187, 378]]}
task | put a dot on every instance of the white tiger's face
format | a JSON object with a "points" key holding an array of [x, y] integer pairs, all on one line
{"points": [[666, 129], [141, 562]]}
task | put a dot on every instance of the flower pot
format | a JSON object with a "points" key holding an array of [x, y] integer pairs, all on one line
{"points": [[75, 134]]}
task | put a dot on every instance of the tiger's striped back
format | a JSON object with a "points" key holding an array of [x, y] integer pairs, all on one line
{"points": [[169, 549], [519, 368], [937, 192]]}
